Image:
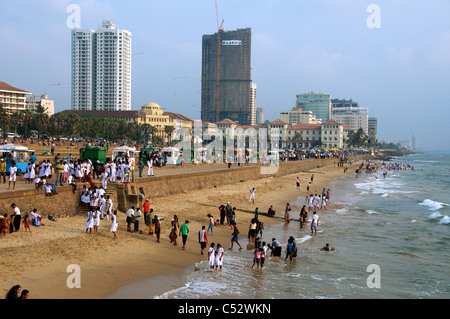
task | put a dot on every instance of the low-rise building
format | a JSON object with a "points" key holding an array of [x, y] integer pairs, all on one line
{"points": [[12, 99], [33, 103], [332, 135]]}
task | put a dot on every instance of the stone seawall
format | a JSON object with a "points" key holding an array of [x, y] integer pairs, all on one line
{"points": [[125, 195]]}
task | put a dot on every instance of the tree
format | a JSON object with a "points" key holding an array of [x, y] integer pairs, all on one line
{"points": [[26, 117], [357, 139], [4, 118], [58, 120], [169, 130]]}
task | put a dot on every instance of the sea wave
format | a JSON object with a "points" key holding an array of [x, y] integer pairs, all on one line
{"points": [[433, 205], [445, 220]]}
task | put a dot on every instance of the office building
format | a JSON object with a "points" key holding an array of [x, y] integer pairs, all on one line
{"points": [[318, 103], [372, 124], [253, 104], [338, 103], [259, 115], [355, 117], [101, 68], [231, 77]]}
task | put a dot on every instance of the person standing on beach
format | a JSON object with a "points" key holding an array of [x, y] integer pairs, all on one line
{"points": [[211, 256], [286, 213], [184, 231], [114, 224], [137, 217], [17, 217], [150, 167], [235, 235], [12, 175], [157, 222], [202, 238], [211, 225], [3, 170], [175, 230], [252, 195], [130, 216], [302, 216], [26, 223], [90, 221], [4, 225], [298, 183], [256, 257], [314, 223], [228, 210], [218, 260]]}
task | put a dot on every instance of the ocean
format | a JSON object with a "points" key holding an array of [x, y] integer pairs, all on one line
{"points": [[391, 237]]}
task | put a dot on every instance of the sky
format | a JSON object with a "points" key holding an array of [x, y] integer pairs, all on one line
{"points": [[398, 69]]}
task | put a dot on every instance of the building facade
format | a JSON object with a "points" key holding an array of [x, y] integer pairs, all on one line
{"points": [[231, 77], [259, 115], [253, 104], [33, 103], [12, 99], [332, 135], [298, 116], [101, 68], [355, 117], [318, 103], [372, 130]]}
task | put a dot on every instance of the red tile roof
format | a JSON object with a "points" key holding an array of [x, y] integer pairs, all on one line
{"points": [[6, 87]]}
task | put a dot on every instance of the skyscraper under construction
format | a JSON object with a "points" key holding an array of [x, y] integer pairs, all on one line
{"points": [[234, 99]]}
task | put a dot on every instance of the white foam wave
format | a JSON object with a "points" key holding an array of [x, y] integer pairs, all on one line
{"points": [[445, 220], [370, 212], [303, 239], [433, 205], [341, 211], [435, 215]]}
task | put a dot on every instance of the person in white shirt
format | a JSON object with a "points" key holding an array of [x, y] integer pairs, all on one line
{"points": [[218, 261], [12, 175], [252, 195], [150, 167], [211, 256], [314, 223], [104, 177], [102, 206], [109, 207], [17, 217], [114, 224]]}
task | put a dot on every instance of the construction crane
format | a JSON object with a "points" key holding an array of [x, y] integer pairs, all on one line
{"points": [[219, 30]]}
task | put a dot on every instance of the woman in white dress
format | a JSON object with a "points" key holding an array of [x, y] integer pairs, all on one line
{"points": [[211, 256], [219, 257], [112, 177], [96, 220], [90, 221], [26, 176], [114, 224]]}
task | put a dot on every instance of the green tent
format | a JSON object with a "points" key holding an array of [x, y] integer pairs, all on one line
{"points": [[93, 152]]}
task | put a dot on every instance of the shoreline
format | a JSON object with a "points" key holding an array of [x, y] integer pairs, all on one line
{"points": [[108, 266]]}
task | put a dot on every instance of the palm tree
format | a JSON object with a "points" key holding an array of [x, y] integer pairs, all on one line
{"points": [[26, 117], [169, 130], [72, 121], [4, 118], [58, 120], [15, 120]]}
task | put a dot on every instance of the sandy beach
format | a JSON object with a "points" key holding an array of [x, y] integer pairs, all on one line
{"points": [[39, 261]]}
